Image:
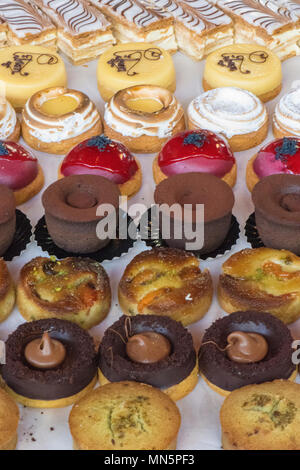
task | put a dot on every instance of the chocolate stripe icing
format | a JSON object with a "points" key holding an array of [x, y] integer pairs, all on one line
{"points": [[132, 11], [23, 19]]}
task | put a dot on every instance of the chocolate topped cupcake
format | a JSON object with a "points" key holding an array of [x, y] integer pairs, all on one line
{"points": [[246, 348], [186, 191], [7, 218]]}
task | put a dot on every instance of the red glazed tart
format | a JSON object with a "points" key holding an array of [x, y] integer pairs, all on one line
{"points": [[195, 151], [20, 171], [281, 156], [102, 156]]}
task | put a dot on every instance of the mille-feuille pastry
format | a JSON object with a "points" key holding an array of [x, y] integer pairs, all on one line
{"points": [[195, 151], [50, 363], [150, 349], [133, 22], [10, 127], [20, 171], [102, 156], [246, 348], [235, 113], [125, 416], [56, 119], [143, 117], [9, 420], [261, 279], [132, 64], [26, 24], [262, 417], [24, 70], [281, 156], [249, 66], [73, 289], [3, 33], [166, 281], [7, 288], [83, 33], [254, 23], [286, 118]]}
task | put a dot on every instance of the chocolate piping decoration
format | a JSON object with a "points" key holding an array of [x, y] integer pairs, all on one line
{"points": [[235, 61], [126, 61], [21, 60]]}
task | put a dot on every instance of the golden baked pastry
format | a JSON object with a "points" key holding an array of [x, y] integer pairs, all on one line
{"points": [[7, 292], [166, 281], [125, 416], [262, 279], [74, 289], [9, 420], [262, 417]]}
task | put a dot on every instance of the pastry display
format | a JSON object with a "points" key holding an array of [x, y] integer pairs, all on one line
{"points": [[57, 119], [9, 420], [165, 281], [73, 289], [261, 279], [71, 205], [50, 363], [262, 417], [286, 118], [276, 199], [143, 117], [20, 171], [193, 189], [9, 124], [281, 156], [236, 114], [24, 70], [132, 64], [246, 348], [83, 33], [7, 288], [104, 157], [133, 22], [151, 349], [7, 218], [125, 416], [249, 66], [195, 151]]}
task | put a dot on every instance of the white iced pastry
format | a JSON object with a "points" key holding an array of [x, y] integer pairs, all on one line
{"points": [[9, 124], [286, 119]]}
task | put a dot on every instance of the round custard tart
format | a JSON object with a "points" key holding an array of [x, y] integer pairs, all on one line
{"points": [[166, 281], [143, 117], [125, 416], [196, 151], [104, 157], [262, 279], [10, 127], [281, 156], [50, 363], [57, 119], [236, 114], [246, 348], [7, 218], [262, 417], [20, 171], [286, 118], [7, 291], [9, 420], [74, 289], [151, 349]]}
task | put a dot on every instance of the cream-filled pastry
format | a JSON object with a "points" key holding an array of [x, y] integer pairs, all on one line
{"points": [[57, 119], [9, 125], [143, 117], [286, 119], [235, 113]]}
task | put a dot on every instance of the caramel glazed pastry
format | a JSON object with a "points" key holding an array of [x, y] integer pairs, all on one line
{"points": [[143, 117], [166, 281], [74, 289], [7, 291], [50, 363], [10, 127], [151, 349], [262, 279], [56, 119]]}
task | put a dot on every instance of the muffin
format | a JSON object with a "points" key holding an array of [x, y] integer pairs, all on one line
{"points": [[9, 420]]}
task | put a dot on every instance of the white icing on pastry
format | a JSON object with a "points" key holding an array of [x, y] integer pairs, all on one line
{"points": [[8, 119], [209, 12], [287, 113], [191, 21], [279, 9], [229, 111]]}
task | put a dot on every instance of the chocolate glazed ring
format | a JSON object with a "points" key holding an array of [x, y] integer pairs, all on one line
{"points": [[56, 387], [225, 375], [70, 211], [176, 374]]}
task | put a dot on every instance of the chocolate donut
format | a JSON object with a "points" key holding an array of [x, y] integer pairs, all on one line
{"points": [[69, 378], [228, 374], [70, 211], [197, 188], [116, 366], [7, 218], [277, 211]]}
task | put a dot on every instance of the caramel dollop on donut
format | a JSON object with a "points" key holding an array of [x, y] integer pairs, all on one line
{"points": [[148, 347], [246, 347]]}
